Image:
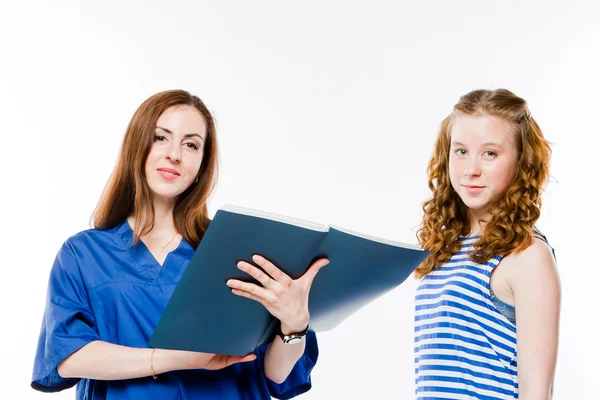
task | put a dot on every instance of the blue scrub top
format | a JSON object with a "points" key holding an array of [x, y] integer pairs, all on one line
{"points": [[103, 288]]}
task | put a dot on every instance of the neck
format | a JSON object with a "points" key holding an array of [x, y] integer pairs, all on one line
{"points": [[163, 218], [478, 222]]}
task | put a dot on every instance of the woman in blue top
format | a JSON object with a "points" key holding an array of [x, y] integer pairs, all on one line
{"points": [[109, 285]]}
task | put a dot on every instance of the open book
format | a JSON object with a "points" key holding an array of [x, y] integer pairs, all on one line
{"points": [[203, 315]]}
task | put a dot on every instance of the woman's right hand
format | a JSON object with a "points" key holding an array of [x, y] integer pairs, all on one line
{"points": [[198, 360]]}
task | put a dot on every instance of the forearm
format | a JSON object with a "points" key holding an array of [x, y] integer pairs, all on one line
{"points": [[287, 300], [106, 361], [280, 357]]}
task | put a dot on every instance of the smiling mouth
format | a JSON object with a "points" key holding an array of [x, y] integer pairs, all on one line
{"points": [[168, 171], [168, 175]]}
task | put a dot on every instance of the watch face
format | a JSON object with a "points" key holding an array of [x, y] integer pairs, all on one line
{"points": [[294, 339]]}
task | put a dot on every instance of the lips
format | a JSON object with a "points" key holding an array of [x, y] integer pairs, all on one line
{"points": [[169, 170], [473, 190], [168, 174]]}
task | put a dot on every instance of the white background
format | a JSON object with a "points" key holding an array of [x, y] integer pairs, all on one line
{"points": [[326, 111]]}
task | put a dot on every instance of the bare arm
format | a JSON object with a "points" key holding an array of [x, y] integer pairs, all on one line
{"points": [[536, 288], [287, 300], [106, 361], [281, 357]]}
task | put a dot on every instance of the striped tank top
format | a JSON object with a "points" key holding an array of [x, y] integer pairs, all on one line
{"points": [[465, 348]]}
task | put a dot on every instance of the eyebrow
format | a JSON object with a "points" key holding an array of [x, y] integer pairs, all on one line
{"points": [[187, 135], [483, 145]]}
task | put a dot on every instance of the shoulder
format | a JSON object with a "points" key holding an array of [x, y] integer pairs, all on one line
{"points": [[92, 236], [86, 243], [539, 252], [533, 266], [88, 257]]}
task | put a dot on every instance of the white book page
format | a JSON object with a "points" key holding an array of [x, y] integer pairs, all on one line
{"points": [[275, 217], [379, 240], [312, 225]]}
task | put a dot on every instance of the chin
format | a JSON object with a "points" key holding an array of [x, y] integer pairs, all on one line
{"points": [[167, 194], [475, 205]]}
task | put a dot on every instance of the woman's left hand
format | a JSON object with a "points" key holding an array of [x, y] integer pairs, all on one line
{"points": [[285, 298]]}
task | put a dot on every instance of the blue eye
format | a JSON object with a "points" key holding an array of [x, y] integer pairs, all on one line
{"points": [[461, 152], [490, 153]]}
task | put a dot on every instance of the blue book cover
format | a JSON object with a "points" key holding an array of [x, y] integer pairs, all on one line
{"points": [[203, 315]]}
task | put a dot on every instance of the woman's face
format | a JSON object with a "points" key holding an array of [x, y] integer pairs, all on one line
{"points": [[176, 154], [483, 159]]}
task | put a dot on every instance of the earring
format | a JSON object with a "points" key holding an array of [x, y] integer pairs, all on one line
{"points": [[196, 181]]}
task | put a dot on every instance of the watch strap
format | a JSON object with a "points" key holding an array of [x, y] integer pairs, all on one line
{"points": [[293, 337]]}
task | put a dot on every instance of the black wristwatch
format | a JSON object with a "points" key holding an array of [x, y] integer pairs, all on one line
{"points": [[293, 338]]}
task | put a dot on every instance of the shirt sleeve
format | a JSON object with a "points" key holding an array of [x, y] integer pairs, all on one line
{"points": [[298, 381], [67, 326]]}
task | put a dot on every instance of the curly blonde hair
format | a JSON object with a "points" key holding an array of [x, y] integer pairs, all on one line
{"points": [[513, 215]]}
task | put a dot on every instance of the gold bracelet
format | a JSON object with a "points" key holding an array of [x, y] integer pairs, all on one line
{"points": [[152, 364]]}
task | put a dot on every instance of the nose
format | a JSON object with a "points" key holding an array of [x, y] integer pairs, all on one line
{"points": [[174, 153], [472, 167]]}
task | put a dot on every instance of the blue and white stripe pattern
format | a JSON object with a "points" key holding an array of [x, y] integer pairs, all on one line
{"points": [[465, 348]]}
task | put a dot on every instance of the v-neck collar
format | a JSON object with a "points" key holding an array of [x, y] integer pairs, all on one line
{"points": [[142, 255], [142, 243]]}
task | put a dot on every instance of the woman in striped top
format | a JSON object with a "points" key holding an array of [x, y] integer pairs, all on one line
{"points": [[490, 271]]}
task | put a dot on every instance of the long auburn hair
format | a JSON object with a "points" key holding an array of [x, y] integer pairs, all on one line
{"points": [[127, 190], [513, 215]]}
